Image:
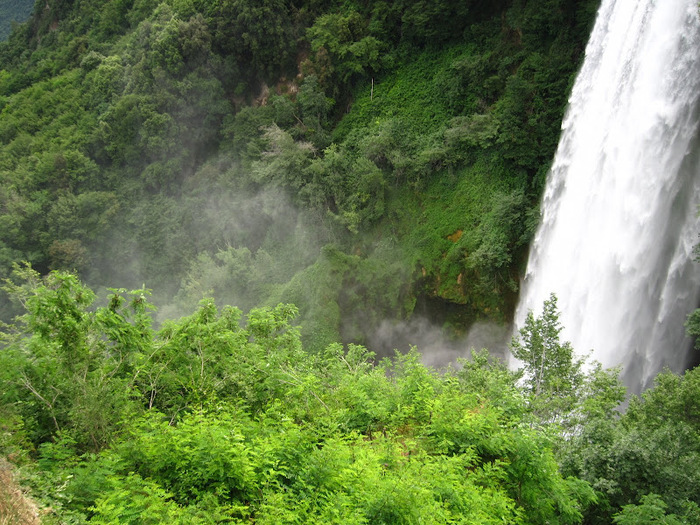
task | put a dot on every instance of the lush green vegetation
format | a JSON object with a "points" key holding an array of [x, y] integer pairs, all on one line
{"points": [[219, 418], [352, 158]]}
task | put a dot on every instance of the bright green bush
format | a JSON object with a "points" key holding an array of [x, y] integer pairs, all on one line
{"points": [[213, 418]]}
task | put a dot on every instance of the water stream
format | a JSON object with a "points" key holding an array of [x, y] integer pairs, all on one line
{"points": [[619, 214]]}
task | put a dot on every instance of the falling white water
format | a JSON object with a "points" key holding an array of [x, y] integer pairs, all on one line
{"points": [[619, 215]]}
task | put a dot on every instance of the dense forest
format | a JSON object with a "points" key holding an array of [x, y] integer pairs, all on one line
{"points": [[321, 171], [366, 162]]}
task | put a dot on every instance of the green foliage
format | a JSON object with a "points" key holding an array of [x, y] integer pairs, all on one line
{"points": [[434, 21], [502, 233], [361, 114], [238, 423], [651, 509], [492, 382], [652, 448], [284, 161], [692, 326], [259, 35], [342, 48], [135, 500], [561, 390], [550, 365], [235, 275], [314, 108], [348, 158], [210, 418], [70, 367], [410, 94]]}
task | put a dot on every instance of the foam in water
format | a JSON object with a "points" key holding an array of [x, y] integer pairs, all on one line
{"points": [[619, 214]]}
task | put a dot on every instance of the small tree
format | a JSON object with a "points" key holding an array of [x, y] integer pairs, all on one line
{"points": [[552, 372], [66, 367]]}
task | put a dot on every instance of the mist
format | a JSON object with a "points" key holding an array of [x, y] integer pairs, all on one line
{"points": [[433, 342]]}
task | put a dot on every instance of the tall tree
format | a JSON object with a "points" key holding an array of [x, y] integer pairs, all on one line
{"points": [[552, 371]]}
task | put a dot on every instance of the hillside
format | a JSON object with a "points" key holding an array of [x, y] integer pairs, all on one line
{"points": [[365, 161]]}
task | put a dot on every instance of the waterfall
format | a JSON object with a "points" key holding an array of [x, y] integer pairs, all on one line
{"points": [[619, 214]]}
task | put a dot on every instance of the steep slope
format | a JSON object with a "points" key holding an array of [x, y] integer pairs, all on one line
{"points": [[360, 160]]}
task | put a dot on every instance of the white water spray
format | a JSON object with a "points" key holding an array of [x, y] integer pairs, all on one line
{"points": [[619, 215]]}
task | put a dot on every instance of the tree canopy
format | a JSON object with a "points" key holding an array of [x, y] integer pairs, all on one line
{"points": [[144, 141]]}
